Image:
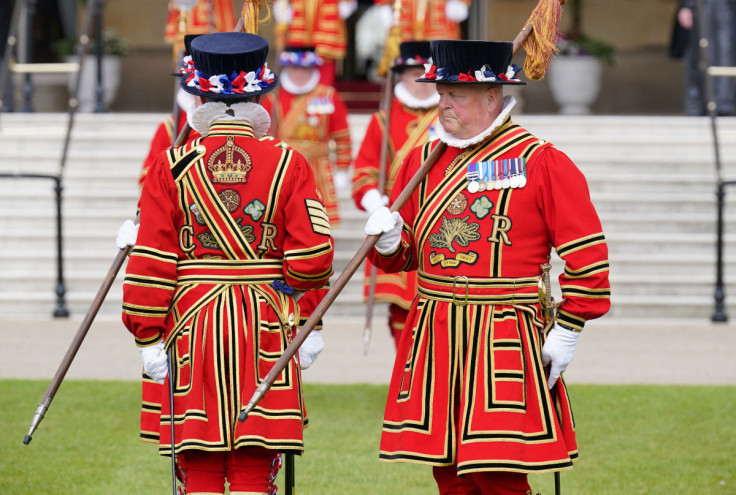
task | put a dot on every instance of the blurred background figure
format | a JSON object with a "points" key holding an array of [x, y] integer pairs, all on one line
{"points": [[312, 118], [428, 19], [197, 17], [316, 23], [371, 32], [719, 18]]}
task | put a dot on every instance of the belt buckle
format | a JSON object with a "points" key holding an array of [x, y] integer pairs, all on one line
{"points": [[454, 290]]}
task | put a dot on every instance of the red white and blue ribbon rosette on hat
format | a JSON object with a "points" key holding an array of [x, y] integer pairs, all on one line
{"points": [[484, 74], [415, 60], [235, 83], [300, 59]]}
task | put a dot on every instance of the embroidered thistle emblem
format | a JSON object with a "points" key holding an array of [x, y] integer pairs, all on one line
{"points": [[455, 230], [197, 215]]}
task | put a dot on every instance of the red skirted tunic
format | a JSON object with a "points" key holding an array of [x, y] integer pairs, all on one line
{"points": [[308, 123], [224, 220], [468, 386], [408, 128], [426, 20]]}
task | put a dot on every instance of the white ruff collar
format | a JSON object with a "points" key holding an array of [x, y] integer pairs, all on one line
{"points": [[253, 113], [404, 96], [289, 86], [508, 103]]}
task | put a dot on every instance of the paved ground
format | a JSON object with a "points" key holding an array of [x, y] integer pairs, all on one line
{"points": [[610, 351]]}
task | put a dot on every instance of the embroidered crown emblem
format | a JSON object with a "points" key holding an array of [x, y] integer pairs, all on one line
{"points": [[230, 163]]}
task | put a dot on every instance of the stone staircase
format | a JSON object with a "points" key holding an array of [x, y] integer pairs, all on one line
{"points": [[651, 178]]}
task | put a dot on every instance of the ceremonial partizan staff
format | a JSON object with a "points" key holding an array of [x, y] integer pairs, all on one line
{"points": [[409, 122], [383, 158]]}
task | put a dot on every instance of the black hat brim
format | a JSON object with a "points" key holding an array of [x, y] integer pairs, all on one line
{"points": [[445, 81]]}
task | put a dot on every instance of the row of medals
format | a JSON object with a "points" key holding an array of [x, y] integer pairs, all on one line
{"points": [[514, 182]]}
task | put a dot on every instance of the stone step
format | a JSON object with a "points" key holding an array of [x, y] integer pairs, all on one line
{"points": [[572, 128], [656, 202]]}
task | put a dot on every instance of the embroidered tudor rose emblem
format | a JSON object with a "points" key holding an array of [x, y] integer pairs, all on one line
{"points": [[229, 164], [458, 205], [230, 198]]}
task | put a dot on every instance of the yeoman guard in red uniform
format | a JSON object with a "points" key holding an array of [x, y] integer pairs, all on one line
{"points": [[230, 225], [469, 394]]}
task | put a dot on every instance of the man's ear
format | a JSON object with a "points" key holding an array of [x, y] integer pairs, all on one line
{"points": [[495, 97]]}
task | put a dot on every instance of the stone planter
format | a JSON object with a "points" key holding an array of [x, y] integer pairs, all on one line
{"points": [[88, 83], [575, 82]]}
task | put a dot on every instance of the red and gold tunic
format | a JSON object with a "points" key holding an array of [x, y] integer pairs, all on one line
{"points": [[468, 386], [317, 23], [162, 140], [408, 128], [308, 123], [224, 219], [426, 20]]}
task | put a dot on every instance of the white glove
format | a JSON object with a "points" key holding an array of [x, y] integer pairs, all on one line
{"points": [[341, 178], [389, 225], [155, 361], [386, 14], [347, 7], [373, 200], [282, 12], [310, 349], [456, 11], [127, 234], [298, 295], [559, 351]]}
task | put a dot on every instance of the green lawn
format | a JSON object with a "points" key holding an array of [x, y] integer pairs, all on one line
{"points": [[633, 440]]}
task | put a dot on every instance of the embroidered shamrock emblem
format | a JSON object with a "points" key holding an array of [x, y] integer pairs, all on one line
{"points": [[481, 207], [254, 209]]}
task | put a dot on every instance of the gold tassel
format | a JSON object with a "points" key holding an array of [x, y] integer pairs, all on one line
{"points": [[391, 49], [540, 44], [248, 22]]}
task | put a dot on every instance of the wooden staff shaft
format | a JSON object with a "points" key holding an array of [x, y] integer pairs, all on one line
{"points": [[521, 38], [339, 285], [71, 352]]}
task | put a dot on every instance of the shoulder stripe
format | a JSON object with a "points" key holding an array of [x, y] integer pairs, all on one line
{"points": [[183, 162]]}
